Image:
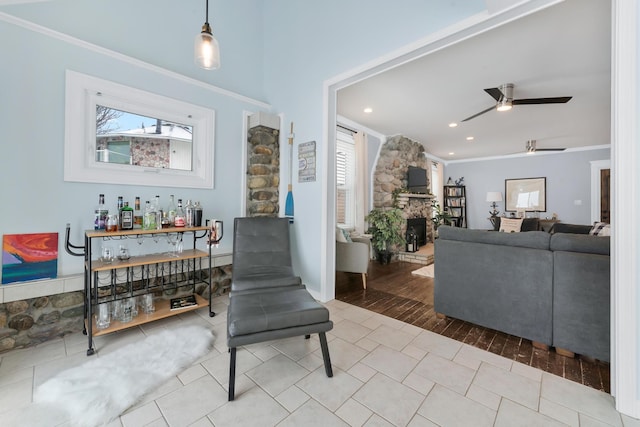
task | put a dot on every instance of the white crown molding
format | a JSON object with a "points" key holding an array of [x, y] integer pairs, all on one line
{"points": [[31, 26], [524, 154]]}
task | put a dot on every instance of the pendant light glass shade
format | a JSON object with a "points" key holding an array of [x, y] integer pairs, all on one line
{"points": [[206, 49]]}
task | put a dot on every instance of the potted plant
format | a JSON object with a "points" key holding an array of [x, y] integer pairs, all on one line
{"points": [[385, 227]]}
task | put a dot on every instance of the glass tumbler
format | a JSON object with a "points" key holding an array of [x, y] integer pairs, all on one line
{"points": [[146, 303], [103, 315], [126, 313]]}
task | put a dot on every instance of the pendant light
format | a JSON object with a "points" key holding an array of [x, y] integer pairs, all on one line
{"points": [[206, 49]]}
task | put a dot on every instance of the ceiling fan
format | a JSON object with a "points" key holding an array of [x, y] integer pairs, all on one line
{"points": [[531, 147], [504, 100]]}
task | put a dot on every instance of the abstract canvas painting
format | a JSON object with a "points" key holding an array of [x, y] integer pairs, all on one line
{"points": [[29, 257]]}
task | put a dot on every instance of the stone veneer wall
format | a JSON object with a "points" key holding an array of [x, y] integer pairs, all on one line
{"points": [[148, 152], [263, 171], [396, 155], [26, 323]]}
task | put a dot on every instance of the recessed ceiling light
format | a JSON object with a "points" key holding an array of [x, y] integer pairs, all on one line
{"points": [[470, 138], [368, 110], [451, 153], [453, 124]]}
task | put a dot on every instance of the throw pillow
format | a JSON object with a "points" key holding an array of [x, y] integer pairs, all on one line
{"points": [[340, 235], [510, 225], [600, 229], [347, 236]]}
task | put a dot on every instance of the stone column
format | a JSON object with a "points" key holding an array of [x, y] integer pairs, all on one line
{"points": [[263, 165]]}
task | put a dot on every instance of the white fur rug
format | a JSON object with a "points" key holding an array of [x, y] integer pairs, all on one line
{"points": [[426, 271], [101, 389]]}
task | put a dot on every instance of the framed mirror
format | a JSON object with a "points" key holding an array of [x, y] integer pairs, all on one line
{"points": [[122, 135], [526, 194]]}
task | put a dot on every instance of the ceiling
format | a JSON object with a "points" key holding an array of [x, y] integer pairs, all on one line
{"points": [[564, 50]]}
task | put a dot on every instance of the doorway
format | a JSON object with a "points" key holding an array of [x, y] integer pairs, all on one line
{"points": [[625, 352]]}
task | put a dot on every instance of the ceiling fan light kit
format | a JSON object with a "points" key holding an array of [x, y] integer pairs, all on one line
{"points": [[531, 147], [503, 96]]}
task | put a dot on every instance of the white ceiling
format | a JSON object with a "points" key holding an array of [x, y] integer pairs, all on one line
{"points": [[563, 50]]}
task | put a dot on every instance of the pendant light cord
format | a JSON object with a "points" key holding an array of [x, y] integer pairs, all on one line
{"points": [[207, 9]]}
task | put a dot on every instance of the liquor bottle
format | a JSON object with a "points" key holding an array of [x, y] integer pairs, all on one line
{"points": [[189, 216], [171, 211], [165, 223], [137, 214], [180, 220], [149, 219], [158, 210], [119, 207], [126, 217], [198, 215], [100, 215]]}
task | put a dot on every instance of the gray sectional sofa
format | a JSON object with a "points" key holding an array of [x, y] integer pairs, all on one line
{"points": [[549, 288]]}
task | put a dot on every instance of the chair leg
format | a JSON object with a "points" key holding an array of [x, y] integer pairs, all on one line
{"points": [[364, 280], [232, 374], [325, 354]]}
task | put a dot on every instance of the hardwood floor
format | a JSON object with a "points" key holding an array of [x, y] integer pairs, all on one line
{"points": [[393, 291]]}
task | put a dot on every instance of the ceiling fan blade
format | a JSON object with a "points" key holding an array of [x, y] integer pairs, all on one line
{"points": [[480, 113], [495, 93], [530, 101]]}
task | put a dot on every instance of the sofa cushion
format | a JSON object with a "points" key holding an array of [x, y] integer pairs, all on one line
{"points": [[600, 229], [560, 227], [528, 224], [583, 243], [533, 239], [510, 225]]}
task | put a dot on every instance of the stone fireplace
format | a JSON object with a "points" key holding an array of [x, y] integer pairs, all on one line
{"points": [[396, 155]]}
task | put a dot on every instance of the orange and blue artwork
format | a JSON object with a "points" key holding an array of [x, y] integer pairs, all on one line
{"points": [[29, 257]]}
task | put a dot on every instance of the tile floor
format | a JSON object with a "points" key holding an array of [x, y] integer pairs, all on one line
{"points": [[386, 373]]}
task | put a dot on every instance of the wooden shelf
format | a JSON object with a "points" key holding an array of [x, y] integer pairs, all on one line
{"points": [[162, 311], [135, 261], [140, 231]]}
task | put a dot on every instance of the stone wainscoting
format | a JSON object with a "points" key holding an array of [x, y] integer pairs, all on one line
{"points": [[29, 322]]}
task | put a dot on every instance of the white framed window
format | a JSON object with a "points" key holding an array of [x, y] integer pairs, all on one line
{"points": [[345, 180], [84, 163]]}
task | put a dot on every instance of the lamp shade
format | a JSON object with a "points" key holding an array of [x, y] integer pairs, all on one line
{"points": [[494, 196], [206, 49]]}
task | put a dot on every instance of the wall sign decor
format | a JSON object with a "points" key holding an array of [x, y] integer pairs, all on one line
{"points": [[29, 257], [528, 194], [307, 162]]}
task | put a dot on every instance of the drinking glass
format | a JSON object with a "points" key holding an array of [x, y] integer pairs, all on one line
{"points": [[172, 238], [146, 303], [123, 253], [107, 254], [134, 306], [103, 315], [126, 313]]}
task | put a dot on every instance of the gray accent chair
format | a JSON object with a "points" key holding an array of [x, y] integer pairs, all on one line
{"points": [[267, 300], [353, 257]]}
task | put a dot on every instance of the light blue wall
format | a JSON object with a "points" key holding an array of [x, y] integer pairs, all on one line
{"points": [[32, 117], [307, 43], [162, 32], [568, 179], [279, 51]]}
